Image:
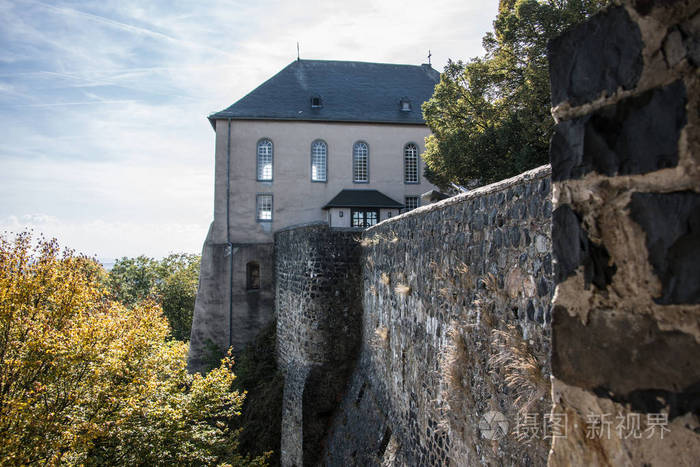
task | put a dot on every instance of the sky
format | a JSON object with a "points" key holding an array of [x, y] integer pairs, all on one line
{"points": [[104, 141]]}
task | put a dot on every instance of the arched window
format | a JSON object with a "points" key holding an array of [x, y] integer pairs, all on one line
{"points": [[252, 274], [410, 163], [264, 160], [319, 160], [360, 163]]}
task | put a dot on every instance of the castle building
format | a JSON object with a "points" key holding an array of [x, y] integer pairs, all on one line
{"points": [[321, 141]]}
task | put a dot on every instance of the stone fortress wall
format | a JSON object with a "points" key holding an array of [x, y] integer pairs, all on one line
{"points": [[626, 235], [422, 306], [452, 308], [318, 296]]}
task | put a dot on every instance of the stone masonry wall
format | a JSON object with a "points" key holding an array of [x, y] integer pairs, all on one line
{"points": [[456, 300], [226, 313], [626, 234], [319, 314]]}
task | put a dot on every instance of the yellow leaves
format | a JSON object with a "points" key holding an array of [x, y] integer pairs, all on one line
{"points": [[87, 380]]}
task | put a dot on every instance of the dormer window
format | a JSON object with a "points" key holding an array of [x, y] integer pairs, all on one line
{"points": [[405, 104], [316, 102]]}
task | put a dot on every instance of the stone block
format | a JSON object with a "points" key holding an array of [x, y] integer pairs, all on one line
{"points": [[572, 248], [624, 356], [599, 55], [671, 222], [635, 136]]}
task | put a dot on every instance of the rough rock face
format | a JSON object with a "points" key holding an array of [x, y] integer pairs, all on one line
{"points": [[443, 305], [626, 237], [580, 77], [226, 314], [624, 138], [318, 301], [671, 222], [432, 341]]}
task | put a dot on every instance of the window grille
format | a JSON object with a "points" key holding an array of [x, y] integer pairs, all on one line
{"points": [[411, 202], [364, 217], [319, 156], [410, 163], [264, 208], [360, 163], [265, 160]]}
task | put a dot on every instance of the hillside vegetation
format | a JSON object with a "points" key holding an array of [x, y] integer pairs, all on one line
{"points": [[87, 380]]}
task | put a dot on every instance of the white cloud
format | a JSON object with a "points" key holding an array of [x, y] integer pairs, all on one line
{"points": [[103, 104], [110, 240]]}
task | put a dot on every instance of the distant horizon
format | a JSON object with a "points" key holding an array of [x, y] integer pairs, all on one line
{"points": [[104, 140]]}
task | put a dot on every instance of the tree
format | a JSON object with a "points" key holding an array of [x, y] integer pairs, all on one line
{"points": [[178, 291], [171, 281], [86, 380], [490, 117], [133, 280]]}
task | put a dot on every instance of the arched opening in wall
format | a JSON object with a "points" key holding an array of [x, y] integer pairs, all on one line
{"points": [[252, 274]]}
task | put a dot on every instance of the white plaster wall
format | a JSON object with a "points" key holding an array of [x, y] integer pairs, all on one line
{"points": [[296, 199], [336, 220], [385, 214]]}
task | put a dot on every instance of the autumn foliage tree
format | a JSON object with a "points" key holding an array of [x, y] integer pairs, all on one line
{"points": [[86, 380], [490, 117]]}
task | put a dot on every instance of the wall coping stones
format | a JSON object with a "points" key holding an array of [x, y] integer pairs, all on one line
{"points": [[301, 226], [543, 171]]}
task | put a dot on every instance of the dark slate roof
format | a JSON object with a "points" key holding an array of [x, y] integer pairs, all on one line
{"points": [[349, 91], [362, 199]]}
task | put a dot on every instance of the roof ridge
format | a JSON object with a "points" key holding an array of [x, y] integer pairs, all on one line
{"points": [[357, 61], [352, 91]]}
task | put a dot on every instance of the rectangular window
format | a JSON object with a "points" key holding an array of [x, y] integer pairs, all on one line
{"points": [[358, 219], [411, 202], [264, 208], [364, 218], [371, 218]]}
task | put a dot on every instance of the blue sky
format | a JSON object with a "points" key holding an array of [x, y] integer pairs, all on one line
{"points": [[104, 142]]}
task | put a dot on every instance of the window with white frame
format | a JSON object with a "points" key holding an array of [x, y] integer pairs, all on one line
{"points": [[411, 202], [410, 163], [265, 160], [264, 208], [319, 157], [360, 163]]}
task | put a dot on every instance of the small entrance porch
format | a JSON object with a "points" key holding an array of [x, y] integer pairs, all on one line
{"points": [[360, 209]]}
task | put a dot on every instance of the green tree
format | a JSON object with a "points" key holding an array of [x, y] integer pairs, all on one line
{"points": [[171, 281], [133, 280], [490, 117], [178, 290], [85, 380]]}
